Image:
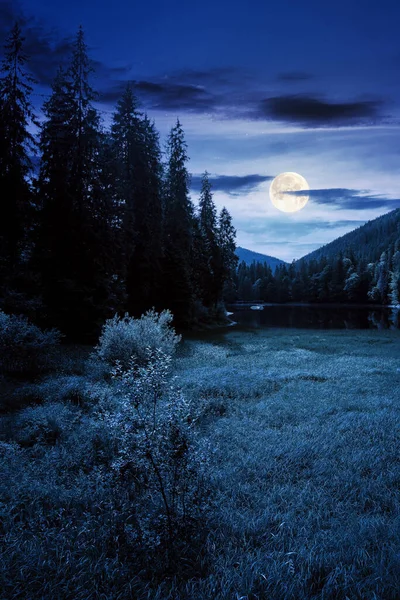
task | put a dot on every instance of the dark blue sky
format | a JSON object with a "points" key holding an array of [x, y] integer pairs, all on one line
{"points": [[260, 87]]}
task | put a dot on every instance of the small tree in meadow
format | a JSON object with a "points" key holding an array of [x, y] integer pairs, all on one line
{"points": [[125, 337]]}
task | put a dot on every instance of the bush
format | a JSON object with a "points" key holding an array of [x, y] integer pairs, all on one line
{"points": [[159, 458], [44, 424], [63, 388], [24, 348], [126, 337]]}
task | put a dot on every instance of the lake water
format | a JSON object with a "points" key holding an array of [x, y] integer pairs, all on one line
{"points": [[317, 317]]}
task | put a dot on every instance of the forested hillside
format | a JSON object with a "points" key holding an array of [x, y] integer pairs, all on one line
{"points": [[362, 266], [100, 220], [366, 243]]}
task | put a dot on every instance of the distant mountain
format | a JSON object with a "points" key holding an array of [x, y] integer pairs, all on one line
{"points": [[366, 242], [249, 256]]}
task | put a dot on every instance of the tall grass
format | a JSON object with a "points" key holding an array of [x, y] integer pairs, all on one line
{"points": [[299, 433]]}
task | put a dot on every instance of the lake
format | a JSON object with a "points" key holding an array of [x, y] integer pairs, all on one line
{"points": [[316, 317]]}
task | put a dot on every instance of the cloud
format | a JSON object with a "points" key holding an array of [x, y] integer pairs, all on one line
{"points": [[189, 90], [46, 49], [350, 199], [226, 93], [313, 111], [166, 95], [233, 185], [284, 231]]}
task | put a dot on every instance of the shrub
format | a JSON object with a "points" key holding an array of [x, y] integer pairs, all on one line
{"points": [[126, 337], [63, 388], [160, 457], [43, 424], [24, 348]]}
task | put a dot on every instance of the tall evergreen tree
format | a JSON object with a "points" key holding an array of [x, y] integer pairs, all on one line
{"points": [[17, 144], [84, 124], [379, 291], [394, 282], [71, 251], [208, 255], [139, 189], [127, 142], [145, 268], [178, 223], [227, 251]]}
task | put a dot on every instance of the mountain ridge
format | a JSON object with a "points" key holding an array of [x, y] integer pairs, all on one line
{"points": [[366, 242], [249, 256]]}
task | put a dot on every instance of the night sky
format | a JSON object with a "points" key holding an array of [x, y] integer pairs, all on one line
{"points": [[260, 88]]}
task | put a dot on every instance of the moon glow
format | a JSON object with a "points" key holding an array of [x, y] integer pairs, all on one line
{"points": [[289, 182]]}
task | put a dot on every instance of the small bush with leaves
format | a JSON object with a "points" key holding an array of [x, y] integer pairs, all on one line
{"points": [[159, 456], [126, 337], [24, 347]]}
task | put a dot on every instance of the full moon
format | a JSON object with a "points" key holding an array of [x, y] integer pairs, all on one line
{"points": [[288, 182]]}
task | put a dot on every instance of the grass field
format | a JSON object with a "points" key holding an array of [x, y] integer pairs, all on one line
{"points": [[303, 435], [306, 460]]}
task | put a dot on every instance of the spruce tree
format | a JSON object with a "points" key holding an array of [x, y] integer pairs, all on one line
{"points": [[208, 253], [127, 142], [227, 252], [379, 292], [71, 252], [139, 188], [17, 144], [394, 282], [145, 270], [178, 222]]}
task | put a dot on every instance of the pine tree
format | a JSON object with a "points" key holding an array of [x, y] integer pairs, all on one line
{"points": [[178, 231], [379, 291], [17, 144], [394, 282], [84, 125], [137, 157], [144, 270], [208, 253], [227, 252], [127, 142], [71, 252]]}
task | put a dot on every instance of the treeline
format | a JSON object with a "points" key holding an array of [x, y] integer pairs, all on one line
{"points": [[344, 278], [105, 223]]}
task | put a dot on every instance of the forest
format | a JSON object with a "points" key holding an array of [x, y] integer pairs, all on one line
{"points": [[105, 223], [360, 267], [98, 221], [136, 459]]}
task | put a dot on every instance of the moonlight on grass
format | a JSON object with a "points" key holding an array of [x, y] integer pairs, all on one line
{"points": [[289, 182]]}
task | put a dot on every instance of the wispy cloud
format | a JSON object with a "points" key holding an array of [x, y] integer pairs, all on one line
{"points": [[227, 93], [293, 230], [350, 199], [47, 49], [164, 95], [231, 184]]}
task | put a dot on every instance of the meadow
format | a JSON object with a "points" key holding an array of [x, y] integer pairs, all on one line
{"points": [[306, 462], [298, 435]]}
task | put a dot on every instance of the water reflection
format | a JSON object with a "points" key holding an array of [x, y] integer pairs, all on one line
{"points": [[318, 317]]}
